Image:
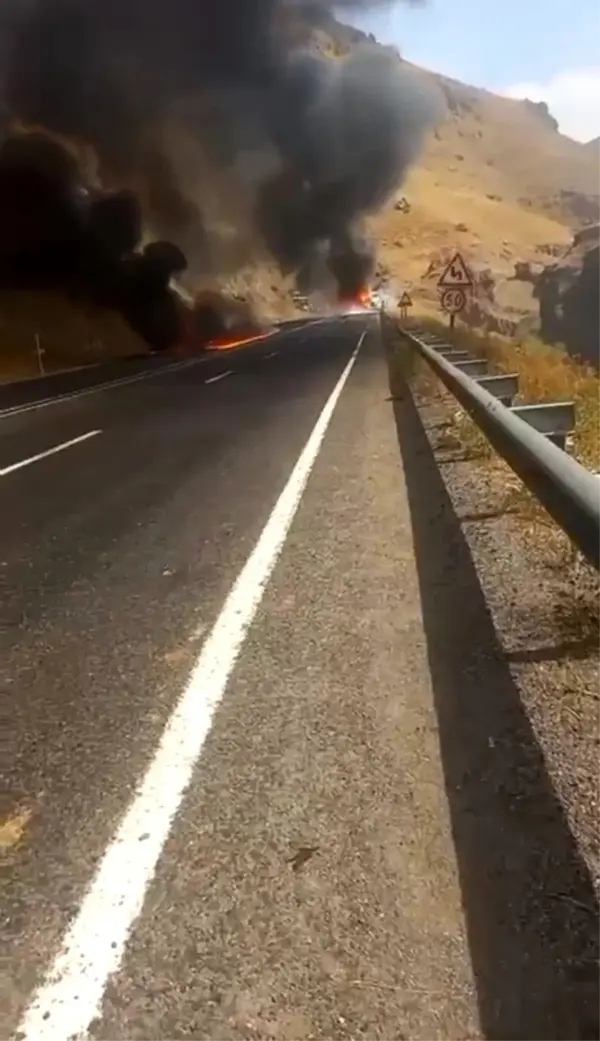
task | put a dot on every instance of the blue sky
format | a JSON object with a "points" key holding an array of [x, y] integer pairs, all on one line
{"points": [[519, 47]]}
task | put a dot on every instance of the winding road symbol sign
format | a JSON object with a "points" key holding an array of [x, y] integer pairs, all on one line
{"points": [[455, 275], [453, 300]]}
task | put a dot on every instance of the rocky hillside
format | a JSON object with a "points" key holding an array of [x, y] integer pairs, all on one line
{"points": [[496, 180], [501, 184], [567, 292]]}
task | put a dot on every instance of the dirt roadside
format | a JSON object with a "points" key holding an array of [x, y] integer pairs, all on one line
{"points": [[531, 753]]}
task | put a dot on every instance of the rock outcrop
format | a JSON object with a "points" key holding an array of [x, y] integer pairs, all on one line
{"points": [[541, 110], [569, 296], [582, 207], [482, 315], [525, 271]]}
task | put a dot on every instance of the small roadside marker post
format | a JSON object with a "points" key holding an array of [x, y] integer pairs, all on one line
{"points": [[39, 350]]}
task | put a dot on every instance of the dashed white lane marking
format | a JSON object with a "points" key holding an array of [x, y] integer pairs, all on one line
{"points": [[70, 997], [49, 451], [220, 376], [271, 355], [32, 406]]}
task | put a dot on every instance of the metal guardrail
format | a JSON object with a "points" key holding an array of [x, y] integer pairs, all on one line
{"points": [[527, 437]]}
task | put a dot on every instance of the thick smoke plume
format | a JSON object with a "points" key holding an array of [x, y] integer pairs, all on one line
{"points": [[229, 132]]}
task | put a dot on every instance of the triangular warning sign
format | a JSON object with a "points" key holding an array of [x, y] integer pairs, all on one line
{"points": [[456, 274], [405, 300]]}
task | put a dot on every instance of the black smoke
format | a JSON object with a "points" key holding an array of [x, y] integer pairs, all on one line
{"points": [[56, 234], [206, 106]]}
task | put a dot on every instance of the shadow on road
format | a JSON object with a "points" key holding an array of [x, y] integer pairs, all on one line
{"points": [[531, 913]]}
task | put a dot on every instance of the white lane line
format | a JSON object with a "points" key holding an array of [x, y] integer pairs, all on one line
{"points": [[32, 406], [70, 997], [49, 451], [220, 376], [271, 355]]}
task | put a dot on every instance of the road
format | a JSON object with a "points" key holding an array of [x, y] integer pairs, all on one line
{"points": [[230, 807]]}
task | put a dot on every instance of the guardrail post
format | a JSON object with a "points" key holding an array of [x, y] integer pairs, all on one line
{"points": [[569, 492], [451, 354], [554, 419], [473, 366], [504, 386]]}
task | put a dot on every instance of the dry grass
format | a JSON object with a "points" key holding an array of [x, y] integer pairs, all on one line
{"points": [[545, 374], [14, 828], [69, 334]]}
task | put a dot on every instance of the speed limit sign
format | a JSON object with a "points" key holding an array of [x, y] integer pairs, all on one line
{"points": [[453, 300]]}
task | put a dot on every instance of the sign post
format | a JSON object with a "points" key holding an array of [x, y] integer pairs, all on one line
{"points": [[454, 282], [404, 303]]}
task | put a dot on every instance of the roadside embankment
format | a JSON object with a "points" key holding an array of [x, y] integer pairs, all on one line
{"points": [[542, 598]]}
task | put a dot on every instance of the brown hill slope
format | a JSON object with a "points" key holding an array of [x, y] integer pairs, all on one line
{"points": [[498, 182]]}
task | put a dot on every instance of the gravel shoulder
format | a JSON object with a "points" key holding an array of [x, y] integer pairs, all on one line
{"points": [[520, 754], [310, 889]]}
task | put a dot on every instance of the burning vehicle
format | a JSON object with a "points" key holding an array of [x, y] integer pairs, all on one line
{"points": [[361, 300]]}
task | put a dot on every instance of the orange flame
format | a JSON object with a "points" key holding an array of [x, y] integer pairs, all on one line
{"points": [[362, 297], [226, 343]]}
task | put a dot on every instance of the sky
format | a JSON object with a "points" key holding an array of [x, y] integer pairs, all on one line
{"points": [[521, 48]]}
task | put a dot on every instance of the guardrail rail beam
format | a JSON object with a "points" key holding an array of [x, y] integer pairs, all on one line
{"points": [[569, 492]]}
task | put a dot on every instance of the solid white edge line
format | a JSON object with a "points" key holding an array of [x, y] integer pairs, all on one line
{"points": [[49, 451], [32, 406], [71, 996]]}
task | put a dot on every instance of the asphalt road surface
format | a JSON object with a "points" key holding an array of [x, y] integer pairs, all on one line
{"points": [[227, 811]]}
